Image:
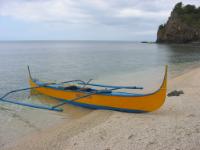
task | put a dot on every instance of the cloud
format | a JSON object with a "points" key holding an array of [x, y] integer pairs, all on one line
{"points": [[46, 10], [135, 13], [125, 16], [87, 11], [79, 11]]}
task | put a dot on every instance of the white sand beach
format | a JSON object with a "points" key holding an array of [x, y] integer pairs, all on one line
{"points": [[175, 126]]}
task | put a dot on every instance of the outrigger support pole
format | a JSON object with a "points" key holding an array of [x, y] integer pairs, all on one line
{"points": [[83, 96], [113, 87], [2, 99], [31, 105], [71, 100]]}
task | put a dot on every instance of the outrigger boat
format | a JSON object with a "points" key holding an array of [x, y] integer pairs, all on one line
{"points": [[86, 94]]}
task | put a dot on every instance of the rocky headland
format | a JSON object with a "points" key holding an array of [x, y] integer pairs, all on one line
{"points": [[183, 25]]}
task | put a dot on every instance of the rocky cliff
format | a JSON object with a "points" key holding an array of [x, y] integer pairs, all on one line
{"points": [[183, 26]]}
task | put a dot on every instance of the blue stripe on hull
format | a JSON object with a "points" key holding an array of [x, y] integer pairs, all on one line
{"points": [[103, 107]]}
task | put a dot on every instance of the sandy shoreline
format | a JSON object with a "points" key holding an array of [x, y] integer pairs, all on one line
{"points": [[175, 126]]}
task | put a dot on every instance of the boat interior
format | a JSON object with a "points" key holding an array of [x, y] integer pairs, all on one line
{"points": [[86, 89]]}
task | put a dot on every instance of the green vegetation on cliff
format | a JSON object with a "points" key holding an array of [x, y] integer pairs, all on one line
{"points": [[188, 14], [183, 26]]}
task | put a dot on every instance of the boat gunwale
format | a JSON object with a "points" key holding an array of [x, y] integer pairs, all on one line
{"points": [[142, 95]]}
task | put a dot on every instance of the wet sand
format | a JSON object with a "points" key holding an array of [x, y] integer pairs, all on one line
{"points": [[176, 125], [17, 122]]}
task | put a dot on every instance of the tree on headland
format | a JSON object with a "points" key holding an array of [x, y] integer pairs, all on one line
{"points": [[190, 14], [178, 7]]}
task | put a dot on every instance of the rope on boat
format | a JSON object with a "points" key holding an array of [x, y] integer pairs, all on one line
{"points": [[85, 84]]}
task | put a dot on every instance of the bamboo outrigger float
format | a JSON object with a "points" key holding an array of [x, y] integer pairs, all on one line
{"points": [[84, 94]]}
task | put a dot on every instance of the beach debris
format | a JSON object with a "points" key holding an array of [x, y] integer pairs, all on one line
{"points": [[197, 130], [130, 136], [75, 143], [102, 137], [175, 93], [191, 115]]}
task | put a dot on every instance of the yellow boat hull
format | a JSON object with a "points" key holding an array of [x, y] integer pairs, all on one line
{"points": [[139, 103]]}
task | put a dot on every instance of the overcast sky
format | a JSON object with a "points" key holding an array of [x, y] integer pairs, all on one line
{"points": [[131, 20]]}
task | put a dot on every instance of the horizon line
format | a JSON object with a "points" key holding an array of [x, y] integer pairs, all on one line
{"points": [[42, 40]]}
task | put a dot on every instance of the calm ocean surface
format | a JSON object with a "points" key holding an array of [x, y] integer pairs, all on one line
{"points": [[122, 63], [84, 60]]}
